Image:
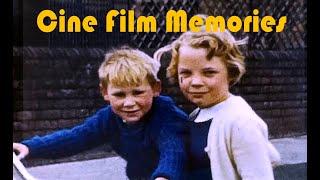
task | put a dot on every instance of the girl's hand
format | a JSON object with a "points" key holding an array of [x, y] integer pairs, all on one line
{"points": [[22, 149]]}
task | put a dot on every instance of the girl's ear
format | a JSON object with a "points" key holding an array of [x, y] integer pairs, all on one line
{"points": [[104, 92], [156, 89]]}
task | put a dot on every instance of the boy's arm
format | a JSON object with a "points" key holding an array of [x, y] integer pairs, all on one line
{"points": [[170, 144], [71, 141], [172, 156]]}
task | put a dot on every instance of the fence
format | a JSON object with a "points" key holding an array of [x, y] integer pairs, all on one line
{"points": [[55, 74]]}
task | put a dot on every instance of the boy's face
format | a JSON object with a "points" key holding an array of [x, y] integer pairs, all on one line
{"points": [[204, 82], [131, 103]]}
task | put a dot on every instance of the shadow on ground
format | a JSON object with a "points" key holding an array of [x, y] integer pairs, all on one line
{"points": [[291, 172]]}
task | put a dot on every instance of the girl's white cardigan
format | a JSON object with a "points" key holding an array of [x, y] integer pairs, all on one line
{"points": [[238, 145]]}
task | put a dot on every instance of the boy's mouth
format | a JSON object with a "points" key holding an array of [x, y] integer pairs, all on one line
{"points": [[131, 112]]}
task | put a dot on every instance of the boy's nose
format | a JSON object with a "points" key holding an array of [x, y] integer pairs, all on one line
{"points": [[129, 102]]}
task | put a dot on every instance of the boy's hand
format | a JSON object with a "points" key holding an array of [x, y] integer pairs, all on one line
{"points": [[22, 149], [161, 178]]}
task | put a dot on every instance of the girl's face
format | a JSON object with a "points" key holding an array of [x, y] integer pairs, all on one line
{"points": [[204, 82]]}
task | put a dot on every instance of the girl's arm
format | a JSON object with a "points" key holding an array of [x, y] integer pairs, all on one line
{"points": [[249, 145]]}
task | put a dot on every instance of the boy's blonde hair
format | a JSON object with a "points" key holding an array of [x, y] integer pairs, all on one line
{"points": [[221, 44], [126, 67]]}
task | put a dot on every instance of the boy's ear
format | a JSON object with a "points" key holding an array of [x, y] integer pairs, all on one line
{"points": [[104, 92], [156, 89]]}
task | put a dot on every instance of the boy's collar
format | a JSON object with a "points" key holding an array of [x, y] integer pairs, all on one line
{"points": [[143, 120]]}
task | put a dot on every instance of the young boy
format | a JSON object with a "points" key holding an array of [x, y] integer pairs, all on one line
{"points": [[141, 126]]}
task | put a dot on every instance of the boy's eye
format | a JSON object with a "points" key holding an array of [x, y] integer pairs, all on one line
{"points": [[119, 94], [137, 92]]}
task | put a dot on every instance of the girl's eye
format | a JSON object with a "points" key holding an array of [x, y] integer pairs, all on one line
{"points": [[209, 73], [185, 73], [137, 92]]}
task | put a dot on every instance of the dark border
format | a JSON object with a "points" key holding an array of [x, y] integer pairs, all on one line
{"points": [[313, 39], [6, 89]]}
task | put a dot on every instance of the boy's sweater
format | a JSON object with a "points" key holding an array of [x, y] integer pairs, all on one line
{"points": [[152, 147]]}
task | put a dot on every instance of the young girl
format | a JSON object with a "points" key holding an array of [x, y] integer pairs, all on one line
{"points": [[228, 140]]}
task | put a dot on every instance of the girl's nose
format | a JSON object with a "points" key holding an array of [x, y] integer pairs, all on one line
{"points": [[196, 81]]}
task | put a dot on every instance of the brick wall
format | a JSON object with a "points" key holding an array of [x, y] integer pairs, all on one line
{"points": [[57, 88]]}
